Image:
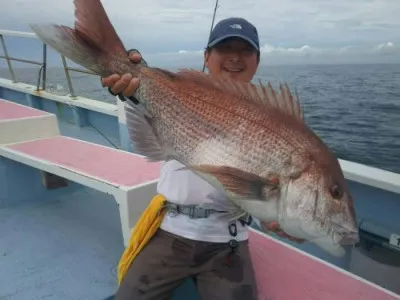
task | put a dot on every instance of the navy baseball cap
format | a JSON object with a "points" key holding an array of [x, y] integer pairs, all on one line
{"points": [[234, 27]]}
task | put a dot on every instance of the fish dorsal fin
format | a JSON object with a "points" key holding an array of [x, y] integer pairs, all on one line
{"points": [[262, 94]]}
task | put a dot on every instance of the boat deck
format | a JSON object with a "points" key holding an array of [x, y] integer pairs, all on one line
{"points": [[73, 249], [60, 248], [74, 242]]}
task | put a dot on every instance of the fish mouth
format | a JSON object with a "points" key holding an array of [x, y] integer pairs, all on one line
{"points": [[344, 236], [349, 240]]}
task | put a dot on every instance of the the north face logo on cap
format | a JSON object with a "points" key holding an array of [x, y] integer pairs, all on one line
{"points": [[235, 26]]}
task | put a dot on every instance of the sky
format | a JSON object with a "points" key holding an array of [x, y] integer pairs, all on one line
{"points": [[170, 32]]}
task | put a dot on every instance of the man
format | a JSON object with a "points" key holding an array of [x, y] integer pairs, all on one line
{"points": [[214, 253]]}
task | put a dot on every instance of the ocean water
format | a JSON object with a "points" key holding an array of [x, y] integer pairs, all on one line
{"points": [[355, 109]]}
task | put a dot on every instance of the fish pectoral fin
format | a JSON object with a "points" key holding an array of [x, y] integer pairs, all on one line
{"points": [[242, 184], [143, 135]]}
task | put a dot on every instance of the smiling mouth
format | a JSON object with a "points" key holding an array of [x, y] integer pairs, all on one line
{"points": [[233, 70]]}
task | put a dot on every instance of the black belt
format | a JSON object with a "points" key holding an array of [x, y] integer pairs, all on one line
{"points": [[196, 212]]}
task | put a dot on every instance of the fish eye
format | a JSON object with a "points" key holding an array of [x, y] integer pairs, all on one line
{"points": [[336, 192]]}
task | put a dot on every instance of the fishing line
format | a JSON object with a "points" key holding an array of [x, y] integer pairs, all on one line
{"points": [[94, 127], [212, 25]]}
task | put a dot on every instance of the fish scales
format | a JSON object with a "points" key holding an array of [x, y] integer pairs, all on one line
{"points": [[189, 135], [251, 137]]}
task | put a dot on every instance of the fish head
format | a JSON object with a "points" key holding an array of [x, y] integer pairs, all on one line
{"points": [[317, 205], [311, 201]]}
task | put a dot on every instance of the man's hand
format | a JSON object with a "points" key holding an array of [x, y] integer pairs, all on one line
{"points": [[125, 84], [274, 227]]}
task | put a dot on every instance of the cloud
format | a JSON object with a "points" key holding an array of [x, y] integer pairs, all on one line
{"points": [[272, 55], [382, 53], [387, 48], [309, 29]]}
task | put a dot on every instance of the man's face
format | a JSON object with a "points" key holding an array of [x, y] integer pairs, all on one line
{"points": [[233, 57]]}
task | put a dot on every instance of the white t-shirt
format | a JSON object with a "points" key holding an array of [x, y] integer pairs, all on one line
{"points": [[185, 187]]}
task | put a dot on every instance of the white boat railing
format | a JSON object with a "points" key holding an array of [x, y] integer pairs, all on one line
{"points": [[364, 174], [43, 64]]}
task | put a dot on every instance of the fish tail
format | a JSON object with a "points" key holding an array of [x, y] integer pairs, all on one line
{"points": [[92, 43]]}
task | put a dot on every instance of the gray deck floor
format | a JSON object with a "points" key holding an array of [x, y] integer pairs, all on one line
{"points": [[66, 247]]}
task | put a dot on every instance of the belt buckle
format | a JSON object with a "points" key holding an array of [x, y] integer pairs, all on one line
{"points": [[192, 212], [172, 211]]}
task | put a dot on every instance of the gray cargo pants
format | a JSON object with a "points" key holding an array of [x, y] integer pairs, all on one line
{"points": [[167, 260]]}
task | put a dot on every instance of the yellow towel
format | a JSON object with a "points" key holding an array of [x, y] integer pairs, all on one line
{"points": [[145, 228]]}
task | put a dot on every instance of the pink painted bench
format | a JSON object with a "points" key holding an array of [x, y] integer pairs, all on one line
{"points": [[286, 273], [112, 166], [20, 123], [11, 111], [126, 176]]}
